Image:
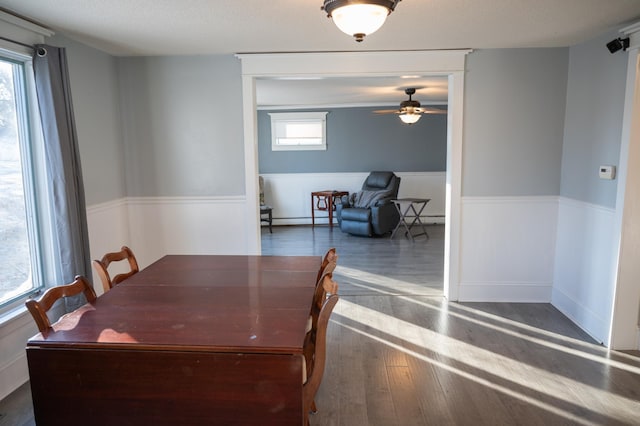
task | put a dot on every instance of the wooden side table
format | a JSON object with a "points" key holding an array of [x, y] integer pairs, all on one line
{"points": [[410, 213], [324, 201]]}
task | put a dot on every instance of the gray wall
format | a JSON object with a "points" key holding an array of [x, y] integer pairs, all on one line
{"points": [[182, 120], [593, 124], [94, 89], [360, 141], [181, 123], [513, 122]]}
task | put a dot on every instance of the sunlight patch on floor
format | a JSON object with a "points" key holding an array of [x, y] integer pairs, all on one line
{"points": [[602, 356], [395, 285], [471, 377], [540, 341], [508, 369]]}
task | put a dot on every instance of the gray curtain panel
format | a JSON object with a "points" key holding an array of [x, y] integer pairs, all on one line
{"points": [[66, 190]]}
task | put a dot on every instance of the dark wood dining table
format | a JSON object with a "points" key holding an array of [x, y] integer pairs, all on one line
{"points": [[189, 340]]}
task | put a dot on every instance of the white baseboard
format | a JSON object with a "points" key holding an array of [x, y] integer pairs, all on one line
{"points": [[505, 292], [439, 220], [581, 315]]}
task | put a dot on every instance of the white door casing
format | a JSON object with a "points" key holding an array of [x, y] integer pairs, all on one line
{"points": [[450, 63]]}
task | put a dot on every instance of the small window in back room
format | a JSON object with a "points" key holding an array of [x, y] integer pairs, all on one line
{"points": [[298, 131]]}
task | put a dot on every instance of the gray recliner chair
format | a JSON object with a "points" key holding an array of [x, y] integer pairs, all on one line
{"points": [[370, 211]]}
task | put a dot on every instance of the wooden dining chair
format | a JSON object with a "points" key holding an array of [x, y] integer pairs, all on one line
{"points": [[328, 265], [315, 369], [102, 266], [330, 256], [326, 287], [39, 307], [327, 271]]}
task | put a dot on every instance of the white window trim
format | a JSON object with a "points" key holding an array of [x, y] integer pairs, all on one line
{"points": [[32, 156], [298, 116], [17, 35], [22, 32]]}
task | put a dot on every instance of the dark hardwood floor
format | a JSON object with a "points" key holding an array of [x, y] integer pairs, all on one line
{"points": [[399, 354]]}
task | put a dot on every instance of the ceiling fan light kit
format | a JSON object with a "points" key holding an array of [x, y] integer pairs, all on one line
{"points": [[410, 111], [409, 117], [359, 18]]}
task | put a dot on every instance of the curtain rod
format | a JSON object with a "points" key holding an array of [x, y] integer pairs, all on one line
{"points": [[17, 42]]}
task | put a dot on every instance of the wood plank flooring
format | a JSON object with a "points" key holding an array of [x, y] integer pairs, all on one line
{"points": [[399, 354]]}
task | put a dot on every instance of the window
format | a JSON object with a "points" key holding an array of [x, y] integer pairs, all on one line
{"points": [[20, 267], [298, 131]]}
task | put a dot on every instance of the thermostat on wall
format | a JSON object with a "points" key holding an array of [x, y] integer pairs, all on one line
{"points": [[607, 172]]}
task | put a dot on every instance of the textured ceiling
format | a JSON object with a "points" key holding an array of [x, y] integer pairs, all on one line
{"points": [[328, 92], [170, 27], [193, 27]]}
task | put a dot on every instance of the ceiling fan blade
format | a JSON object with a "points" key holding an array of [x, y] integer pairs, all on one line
{"points": [[386, 111], [427, 110]]}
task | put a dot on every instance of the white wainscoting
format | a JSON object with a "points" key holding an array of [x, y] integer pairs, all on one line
{"points": [[108, 225], [187, 225], [156, 226], [507, 249], [290, 193], [585, 265], [13, 359]]}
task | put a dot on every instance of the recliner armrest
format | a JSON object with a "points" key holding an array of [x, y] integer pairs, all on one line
{"points": [[383, 202], [384, 217], [345, 200]]}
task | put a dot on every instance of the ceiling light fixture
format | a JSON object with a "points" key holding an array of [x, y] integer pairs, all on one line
{"points": [[409, 117], [359, 18]]}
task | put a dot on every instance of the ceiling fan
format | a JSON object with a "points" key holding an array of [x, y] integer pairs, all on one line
{"points": [[410, 110]]}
